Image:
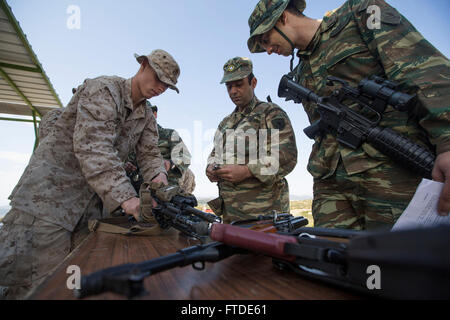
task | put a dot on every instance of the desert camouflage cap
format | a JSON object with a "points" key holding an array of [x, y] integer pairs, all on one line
{"points": [[265, 16], [236, 69], [164, 65]]}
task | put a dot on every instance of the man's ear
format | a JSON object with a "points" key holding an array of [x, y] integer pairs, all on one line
{"points": [[283, 18], [144, 64], [254, 82], [142, 67]]}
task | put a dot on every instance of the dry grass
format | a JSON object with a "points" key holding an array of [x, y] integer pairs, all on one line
{"points": [[298, 208], [303, 208]]}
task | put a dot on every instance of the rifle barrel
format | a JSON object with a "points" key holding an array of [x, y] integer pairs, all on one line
{"points": [[127, 279]]}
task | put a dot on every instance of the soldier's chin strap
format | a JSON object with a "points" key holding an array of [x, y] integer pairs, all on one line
{"points": [[292, 46]]}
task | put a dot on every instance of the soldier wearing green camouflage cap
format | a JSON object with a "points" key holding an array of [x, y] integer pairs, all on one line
{"points": [[363, 188], [237, 69], [247, 186]]}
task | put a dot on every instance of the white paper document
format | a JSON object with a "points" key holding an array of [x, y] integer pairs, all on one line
{"points": [[422, 210]]}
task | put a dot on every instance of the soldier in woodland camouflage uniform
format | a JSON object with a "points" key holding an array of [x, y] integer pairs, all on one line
{"points": [[251, 179], [176, 158], [78, 168], [362, 189]]}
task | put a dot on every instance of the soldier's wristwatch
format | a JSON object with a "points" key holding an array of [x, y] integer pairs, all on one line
{"points": [[172, 165]]}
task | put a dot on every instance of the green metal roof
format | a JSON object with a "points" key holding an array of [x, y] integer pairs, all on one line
{"points": [[25, 89]]}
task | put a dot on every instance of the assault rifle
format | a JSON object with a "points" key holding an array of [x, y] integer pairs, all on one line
{"points": [[354, 128], [411, 264], [178, 211]]}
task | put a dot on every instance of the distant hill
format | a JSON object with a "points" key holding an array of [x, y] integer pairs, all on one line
{"points": [[294, 197], [4, 210]]}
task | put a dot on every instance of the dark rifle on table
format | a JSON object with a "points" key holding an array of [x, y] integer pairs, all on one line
{"points": [[353, 128], [411, 264], [178, 211]]}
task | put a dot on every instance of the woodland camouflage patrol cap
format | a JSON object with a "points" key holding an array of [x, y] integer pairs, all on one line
{"points": [[164, 65], [149, 104], [265, 16], [236, 69]]}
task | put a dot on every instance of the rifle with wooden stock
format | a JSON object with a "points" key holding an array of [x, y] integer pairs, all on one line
{"points": [[177, 211], [410, 264]]}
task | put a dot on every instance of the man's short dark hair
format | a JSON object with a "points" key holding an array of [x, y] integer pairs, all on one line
{"points": [[293, 9], [154, 109], [250, 78]]}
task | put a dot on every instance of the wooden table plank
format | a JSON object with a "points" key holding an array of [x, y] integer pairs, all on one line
{"points": [[240, 277]]}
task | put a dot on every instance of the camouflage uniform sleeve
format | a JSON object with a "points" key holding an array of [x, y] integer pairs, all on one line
{"points": [[211, 157], [414, 63], [282, 154], [149, 158], [47, 122], [218, 139], [96, 127], [180, 154]]}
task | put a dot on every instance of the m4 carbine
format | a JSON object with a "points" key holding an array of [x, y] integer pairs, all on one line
{"points": [[354, 128]]}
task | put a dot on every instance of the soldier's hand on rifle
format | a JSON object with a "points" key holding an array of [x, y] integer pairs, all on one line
{"points": [[211, 173], [234, 173], [161, 177], [441, 173], [129, 167], [131, 207], [167, 165]]}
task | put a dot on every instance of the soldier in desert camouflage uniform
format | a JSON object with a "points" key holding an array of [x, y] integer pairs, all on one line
{"points": [[249, 184], [78, 168], [48, 121], [176, 158], [362, 189]]}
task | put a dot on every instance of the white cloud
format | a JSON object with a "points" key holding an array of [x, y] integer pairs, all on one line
{"points": [[12, 165], [16, 157]]}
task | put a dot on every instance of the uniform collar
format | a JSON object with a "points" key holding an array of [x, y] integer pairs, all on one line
{"points": [[139, 111], [248, 108], [328, 21]]}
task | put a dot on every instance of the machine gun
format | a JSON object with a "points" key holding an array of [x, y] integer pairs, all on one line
{"points": [[354, 128]]}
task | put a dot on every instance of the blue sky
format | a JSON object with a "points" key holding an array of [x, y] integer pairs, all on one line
{"points": [[201, 35]]}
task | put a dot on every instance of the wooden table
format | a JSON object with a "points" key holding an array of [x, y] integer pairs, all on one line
{"points": [[240, 277]]}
